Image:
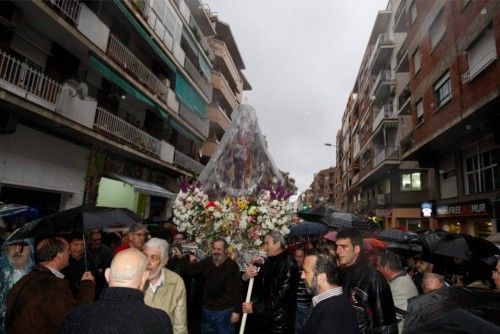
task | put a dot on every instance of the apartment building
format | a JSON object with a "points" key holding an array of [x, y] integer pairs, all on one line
{"points": [[102, 102], [228, 79], [373, 180], [455, 84], [418, 145], [322, 188]]}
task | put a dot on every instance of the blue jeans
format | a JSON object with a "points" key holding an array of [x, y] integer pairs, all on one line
{"points": [[300, 317], [216, 322]]}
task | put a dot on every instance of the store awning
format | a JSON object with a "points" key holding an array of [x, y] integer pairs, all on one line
{"points": [[144, 187]]}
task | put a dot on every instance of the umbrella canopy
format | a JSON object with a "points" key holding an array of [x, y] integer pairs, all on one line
{"points": [[395, 234], [12, 211], [79, 218], [307, 228], [456, 321], [494, 238], [368, 243], [342, 220], [464, 246], [406, 249], [424, 309], [315, 214]]}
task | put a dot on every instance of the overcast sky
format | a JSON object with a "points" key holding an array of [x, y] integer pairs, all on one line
{"points": [[301, 58]]}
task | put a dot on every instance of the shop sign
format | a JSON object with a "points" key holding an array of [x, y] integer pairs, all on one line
{"points": [[478, 208], [383, 212], [426, 209]]}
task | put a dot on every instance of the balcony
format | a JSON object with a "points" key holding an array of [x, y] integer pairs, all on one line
{"points": [[402, 58], [222, 85], [20, 79], [384, 84], [400, 24], [356, 147], [198, 78], [209, 147], [201, 125], [382, 51], [126, 58], [404, 102], [117, 128], [68, 9], [387, 153], [474, 69], [406, 143], [164, 32], [386, 112], [217, 115], [408, 198], [222, 52], [187, 163]]}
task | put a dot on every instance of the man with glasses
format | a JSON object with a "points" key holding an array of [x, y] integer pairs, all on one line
{"points": [[137, 235], [165, 289]]}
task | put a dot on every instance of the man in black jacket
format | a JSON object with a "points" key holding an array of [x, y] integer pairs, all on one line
{"points": [[273, 310], [121, 310], [332, 312], [366, 288]]}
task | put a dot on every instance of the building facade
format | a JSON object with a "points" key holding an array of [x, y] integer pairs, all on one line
{"points": [[418, 128], [322, 188], [102, 102]]}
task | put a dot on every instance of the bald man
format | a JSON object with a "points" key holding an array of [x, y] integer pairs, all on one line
{"points": [[121, 309]]}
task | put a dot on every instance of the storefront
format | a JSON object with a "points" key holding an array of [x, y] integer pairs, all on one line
{"points": [[409, 219], [474, 218]]}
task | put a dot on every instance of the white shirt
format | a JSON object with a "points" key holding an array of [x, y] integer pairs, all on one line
{"points": [[158, 283], [56, 272], [337, 291]]}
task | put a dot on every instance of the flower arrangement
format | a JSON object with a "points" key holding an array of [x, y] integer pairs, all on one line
{"points": [[242, 222]]}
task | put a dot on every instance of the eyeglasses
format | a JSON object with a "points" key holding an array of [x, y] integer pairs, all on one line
{"points": [[154, 258], [141, 235]]}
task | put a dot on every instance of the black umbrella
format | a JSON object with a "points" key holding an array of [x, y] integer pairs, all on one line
{"points": [[406, 249], [456, 321], [75, 219], [340, 220], [395, 234], [315, 214], [307, 228], [424, 309]]}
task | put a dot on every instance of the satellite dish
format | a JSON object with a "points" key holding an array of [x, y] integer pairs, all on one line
{"points": [[82, 90]]}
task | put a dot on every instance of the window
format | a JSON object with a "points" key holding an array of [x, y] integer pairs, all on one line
{"points": [[481, 172], [481, 54], [448, 177], [420, 112], [417, 60], [437, 30], [411, 182], [413, 12], [442, 89]]}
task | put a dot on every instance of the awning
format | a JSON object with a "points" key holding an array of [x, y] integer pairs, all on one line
{"points": [[144, 187]]}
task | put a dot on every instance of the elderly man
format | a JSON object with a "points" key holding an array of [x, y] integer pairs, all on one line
{"points": [[39, 302], [165, 289], [221, 290], [366, 288], [332, 312], [275, 286], [17, 262], [401, 284], [122, 308], [432, 282], [137, 235]]}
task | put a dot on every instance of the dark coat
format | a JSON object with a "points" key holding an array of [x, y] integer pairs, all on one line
{"points": [[371, 297], [275, 292], [39, 302], [332, 315], [120, 311]]}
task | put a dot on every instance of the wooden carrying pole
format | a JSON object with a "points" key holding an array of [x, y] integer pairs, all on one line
{"points": [[247, 300]]}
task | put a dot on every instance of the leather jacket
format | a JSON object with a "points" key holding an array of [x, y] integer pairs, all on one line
{"points": [[275, 290], [371, 298]]}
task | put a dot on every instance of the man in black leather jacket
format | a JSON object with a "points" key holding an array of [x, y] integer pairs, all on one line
{"points": [[366, 288], [273, 308]]}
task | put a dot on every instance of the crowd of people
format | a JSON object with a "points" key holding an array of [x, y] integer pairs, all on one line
{"points": [[100, 283]]}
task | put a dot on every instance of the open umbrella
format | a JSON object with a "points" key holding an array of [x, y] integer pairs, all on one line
{"points": [[12, 211], [395, 234], [424, 309], [314, 214], [307, 228], [406, 249], [464, 246], [79, 219], [368, 243], [340, 220]]}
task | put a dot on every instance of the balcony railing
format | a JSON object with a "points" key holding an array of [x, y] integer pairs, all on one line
{"points": [[162, 30], [118, 128], [406, 143], [384, 39], [201, 125], [384, 78], [68, 9], [386, 111], [200, 80], [187, 162], [355, 179], [126, 58], [20, 79], [479, 66], [388, 153]]}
